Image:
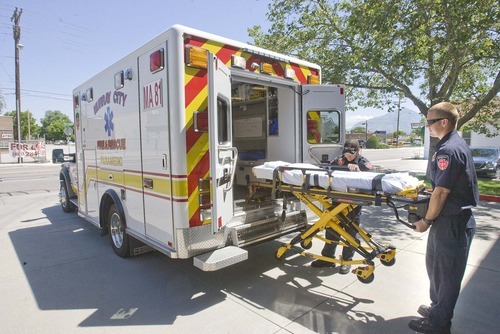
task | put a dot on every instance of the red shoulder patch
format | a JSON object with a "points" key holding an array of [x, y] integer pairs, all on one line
{"points": [[443, 161]]}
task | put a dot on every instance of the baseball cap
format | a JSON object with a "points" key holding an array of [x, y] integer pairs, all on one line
{"points": [[351, 146]]}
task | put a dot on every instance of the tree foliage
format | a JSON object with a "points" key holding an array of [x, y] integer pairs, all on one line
{"points": [[429, 51], [34, 129], [53, 125], [358, 129]]}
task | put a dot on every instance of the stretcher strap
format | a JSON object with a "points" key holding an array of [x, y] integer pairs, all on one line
{"points": [[377, 182]]}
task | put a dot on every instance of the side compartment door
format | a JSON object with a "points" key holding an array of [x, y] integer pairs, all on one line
{"points": [[223, 155], [323, 122], [82, 193], [155, 145]]}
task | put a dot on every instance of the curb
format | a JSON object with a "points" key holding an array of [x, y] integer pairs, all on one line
{"points": [[489, 198]]}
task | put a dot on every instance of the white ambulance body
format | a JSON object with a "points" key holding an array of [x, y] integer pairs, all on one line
{"points": [[166, 139]]}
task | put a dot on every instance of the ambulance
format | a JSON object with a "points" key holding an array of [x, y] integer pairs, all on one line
{"points": [[167, 137]]}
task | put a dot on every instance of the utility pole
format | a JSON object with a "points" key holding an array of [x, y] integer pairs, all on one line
{"points": [[399, 111], [17, 36], [29, 121]]}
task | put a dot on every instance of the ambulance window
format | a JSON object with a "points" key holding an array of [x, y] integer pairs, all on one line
{"points": [[323, 126], [222, 120]]}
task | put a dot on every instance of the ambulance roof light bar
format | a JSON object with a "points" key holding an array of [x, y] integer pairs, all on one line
{"points": [[313, 79], [266, 55], [289, 73], [196, 57], [238, 61]]}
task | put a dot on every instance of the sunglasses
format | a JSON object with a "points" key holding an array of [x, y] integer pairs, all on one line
{"points": [[432, 121], [350, 150]]}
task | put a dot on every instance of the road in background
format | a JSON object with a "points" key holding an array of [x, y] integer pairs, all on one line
{"points": [[60, 276]]}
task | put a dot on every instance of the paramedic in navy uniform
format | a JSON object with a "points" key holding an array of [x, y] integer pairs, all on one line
{"points": [[351, 158], [449, 217]]}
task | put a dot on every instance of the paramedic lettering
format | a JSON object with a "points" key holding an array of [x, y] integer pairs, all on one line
{"points": [[112, 144], [153, 96], [118, 98], [102, 101]]}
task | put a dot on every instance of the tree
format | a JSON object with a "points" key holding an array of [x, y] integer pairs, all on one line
{"points": [[34, 129], [373, 142], [429, 51], [358, 129], [53, 125]]}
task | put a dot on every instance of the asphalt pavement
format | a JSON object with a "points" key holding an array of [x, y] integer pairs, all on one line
{"points": [[60, 276]]}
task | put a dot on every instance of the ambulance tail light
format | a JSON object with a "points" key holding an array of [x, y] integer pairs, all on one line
{"points": [[266, 68], [76, 101], [156, 62], [205, 201], [239, 62], [313, 79], [196, 57], [290, 74], [341, 90]]}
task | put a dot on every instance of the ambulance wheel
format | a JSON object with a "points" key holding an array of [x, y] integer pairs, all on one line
{"points": [[306, 244], [119, 238], [66, 204], [389, 263], [367, 280]]}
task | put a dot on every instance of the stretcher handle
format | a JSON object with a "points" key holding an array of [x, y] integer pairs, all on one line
{"points": [[396, 213]]}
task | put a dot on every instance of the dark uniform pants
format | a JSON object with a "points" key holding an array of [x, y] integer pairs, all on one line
{"points": [[447, 252], [347, 252]]}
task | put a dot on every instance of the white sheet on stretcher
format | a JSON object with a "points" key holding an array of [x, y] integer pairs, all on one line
{"points": [[338, 180]]}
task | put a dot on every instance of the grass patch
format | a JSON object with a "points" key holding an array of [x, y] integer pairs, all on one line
{"points": [[486, 186]]}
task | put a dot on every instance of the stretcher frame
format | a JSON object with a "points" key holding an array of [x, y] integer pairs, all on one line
{"points": [[332, 209]]}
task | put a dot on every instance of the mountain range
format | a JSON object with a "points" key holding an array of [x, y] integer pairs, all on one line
{"points": [[389, 121]]}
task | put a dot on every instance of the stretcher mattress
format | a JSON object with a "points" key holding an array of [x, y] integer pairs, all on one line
{"points": [[298, 173]]}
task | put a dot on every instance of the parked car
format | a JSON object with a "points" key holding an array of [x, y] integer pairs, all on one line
{"points": [[486, 161]]}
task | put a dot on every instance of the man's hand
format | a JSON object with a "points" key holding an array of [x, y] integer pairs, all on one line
{"points": [[421, 226], [353, 168]]}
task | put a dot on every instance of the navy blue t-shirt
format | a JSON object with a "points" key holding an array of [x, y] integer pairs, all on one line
{"points": [[452, 168]]}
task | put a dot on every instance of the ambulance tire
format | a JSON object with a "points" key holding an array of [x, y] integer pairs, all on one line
{"points": [[66, 204], [119, 237]]}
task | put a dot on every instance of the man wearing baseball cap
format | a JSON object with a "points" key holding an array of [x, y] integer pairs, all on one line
{"points": [[352, 159]]}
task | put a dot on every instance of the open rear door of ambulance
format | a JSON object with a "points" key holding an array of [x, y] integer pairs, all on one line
{"points": [[323, 122], [223, 155]]}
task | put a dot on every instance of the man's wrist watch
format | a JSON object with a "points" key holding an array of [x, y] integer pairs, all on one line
{"points": [[427, 221]]}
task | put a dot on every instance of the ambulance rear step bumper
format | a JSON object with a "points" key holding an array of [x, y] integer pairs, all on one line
{"points": [[220, 258], [244, 234]]}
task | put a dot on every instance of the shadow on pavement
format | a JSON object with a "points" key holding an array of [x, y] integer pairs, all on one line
{"points": [[69, 267]]}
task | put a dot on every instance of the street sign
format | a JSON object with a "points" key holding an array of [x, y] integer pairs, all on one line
{"points": [[417, 125], [68, 131]]}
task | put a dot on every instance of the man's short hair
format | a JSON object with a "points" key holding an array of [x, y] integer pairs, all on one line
{"points": [[446, 110]]}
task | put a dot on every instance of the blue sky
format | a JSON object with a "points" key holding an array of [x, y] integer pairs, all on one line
{"points": [[67, 42]]}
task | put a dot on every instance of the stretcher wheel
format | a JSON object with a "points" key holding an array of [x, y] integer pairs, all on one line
{"points": [[388, 258], [366, 280], [388, 263], [306, 244]]}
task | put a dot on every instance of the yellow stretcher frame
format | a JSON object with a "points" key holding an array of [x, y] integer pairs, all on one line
{"points": [[332, 208]]}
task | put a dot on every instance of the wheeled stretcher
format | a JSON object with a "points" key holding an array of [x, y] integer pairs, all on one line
{"points": [[331, 194]]}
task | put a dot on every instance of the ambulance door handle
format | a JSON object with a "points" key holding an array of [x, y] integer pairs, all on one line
{"points": [[164, 161]]}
